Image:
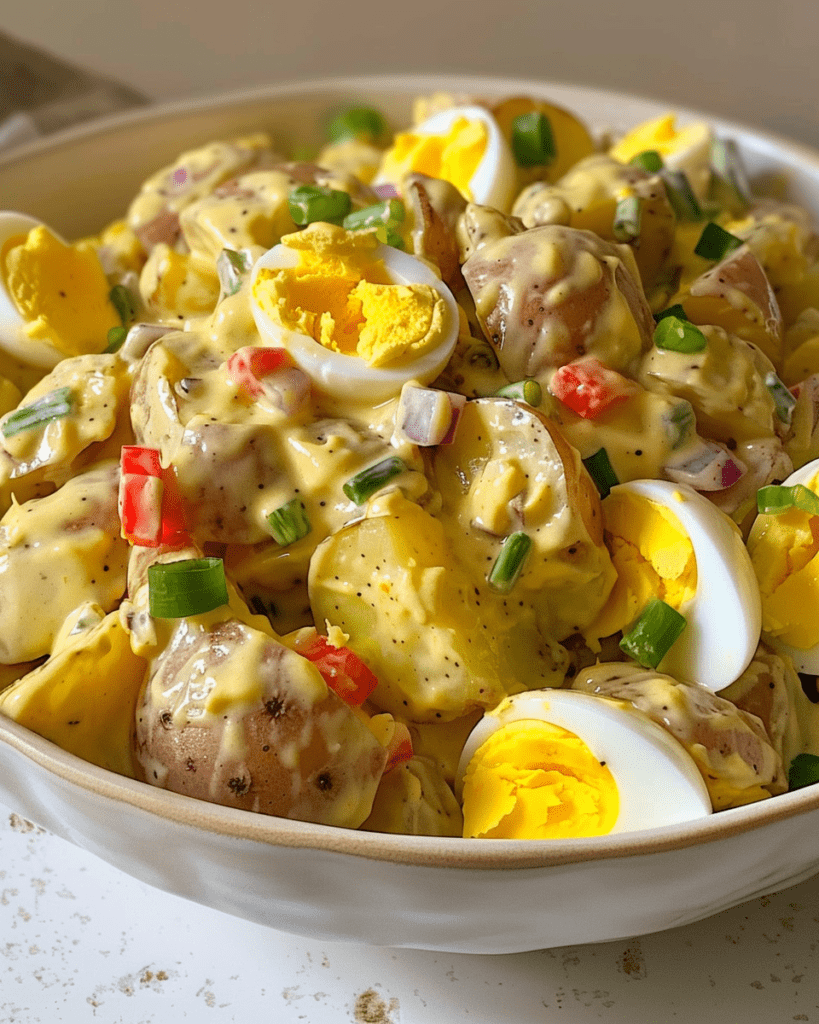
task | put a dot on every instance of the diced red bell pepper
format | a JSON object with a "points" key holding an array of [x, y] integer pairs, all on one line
{"points": [[150, 507], [590, 388], [247, 366], [400, 747], [343, 671]]}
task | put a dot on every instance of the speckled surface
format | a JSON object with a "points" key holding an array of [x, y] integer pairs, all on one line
{"points": [[80, 941]]}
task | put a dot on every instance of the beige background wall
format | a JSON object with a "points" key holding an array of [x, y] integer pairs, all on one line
{"points": [[756, 61]]}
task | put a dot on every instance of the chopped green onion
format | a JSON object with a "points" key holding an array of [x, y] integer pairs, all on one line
{"points": [[654, 633], [675, 310], [52, 406], [681, 196], [387, 235], [600, 469], [390, 212], [364, 484], [679, 335], [289, 522], [116, 336], [231, 268], [532, 140], [191, 586], [123, 302], [509, 562], [776, 498], [528, 391], [311, 203], [628, 216], [356, 123], [729, 181], [649, 160], [680, 422], [803, 771], [784, 400], [715, 242]]}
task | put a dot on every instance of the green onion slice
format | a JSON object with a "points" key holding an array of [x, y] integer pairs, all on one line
{"points": [[231, 268], [784, 400], [600, 469], [715, 242], [310, 203], [389, 212], [364, 123], [532, 140], [364, 484], [679, 335], [528, 391], [649, 160], [628, 216], [680, 422], [675, 310], [52, 406], [509, 563], [681, 196], [803, 771], [776, 498], [654, 633], [289, 522], [191, 586], [116, 336], [123, 302], [729, 180]]}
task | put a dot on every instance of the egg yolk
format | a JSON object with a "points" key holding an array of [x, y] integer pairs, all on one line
{"points": [[536, 780], [653, 557], [60, 290], [455, 157], [784, 552], [661, 135], [340, 295]]}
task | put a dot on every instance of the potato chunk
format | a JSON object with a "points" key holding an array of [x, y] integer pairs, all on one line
{"points": [[232, 716]]}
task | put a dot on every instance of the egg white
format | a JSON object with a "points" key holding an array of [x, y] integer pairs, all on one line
{"points": [[804, 660], [13, 338], [493, 183], [657, 780], [350, 377], [724, 616]]}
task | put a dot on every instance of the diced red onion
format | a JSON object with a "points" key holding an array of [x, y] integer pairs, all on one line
{"points": [[426, 416], [286, 389], [711, 468], [386, 191]]}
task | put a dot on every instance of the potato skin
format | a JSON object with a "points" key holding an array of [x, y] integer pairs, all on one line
{"points": [[233, 717], [547, 296]]}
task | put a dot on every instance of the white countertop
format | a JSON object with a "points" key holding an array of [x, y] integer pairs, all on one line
{"points": [[80, 941]]}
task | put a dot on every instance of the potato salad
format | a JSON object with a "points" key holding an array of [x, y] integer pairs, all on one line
{"points": [[459, 479]]}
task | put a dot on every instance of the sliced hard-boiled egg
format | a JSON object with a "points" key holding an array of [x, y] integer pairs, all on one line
{"points": [[14, 227], [784, 550], [686, 149], [668, 542], [54, 297], [553, 764], [359, 318], [463, 145]]}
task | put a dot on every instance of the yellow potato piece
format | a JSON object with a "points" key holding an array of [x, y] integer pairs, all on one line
{"points": [[84, 697]]}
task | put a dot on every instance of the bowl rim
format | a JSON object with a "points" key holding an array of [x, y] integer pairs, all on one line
{"points": [[425, 851]]}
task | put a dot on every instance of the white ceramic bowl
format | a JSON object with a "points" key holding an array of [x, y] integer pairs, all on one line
{"points": [[487, 896]]}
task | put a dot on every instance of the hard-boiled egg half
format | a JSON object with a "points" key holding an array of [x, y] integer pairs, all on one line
{"points": [[358, 317], [558, 764], [669, 543], [784, 550], [54, 297], [686, 148], [463, 145]]}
